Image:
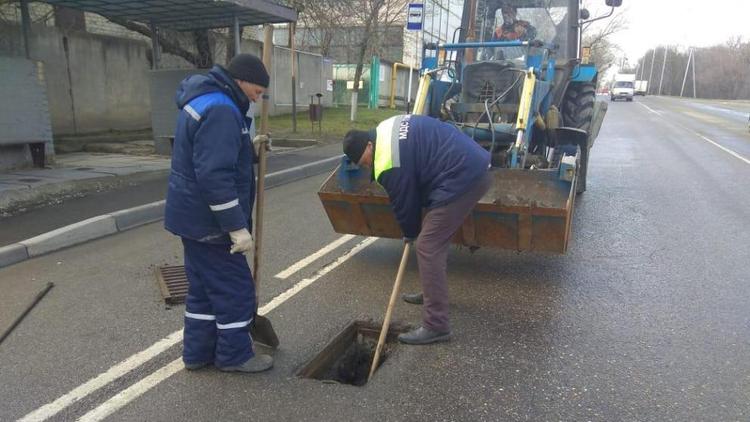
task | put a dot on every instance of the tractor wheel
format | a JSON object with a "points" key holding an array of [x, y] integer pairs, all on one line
{"points": [[577, 111]]}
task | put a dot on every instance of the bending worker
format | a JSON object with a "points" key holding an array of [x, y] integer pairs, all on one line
{"points": [[209, 205], [424, 163]]}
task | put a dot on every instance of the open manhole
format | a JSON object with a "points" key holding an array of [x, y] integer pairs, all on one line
{"points": [[347, 358], [84, 168], [173, 283]]}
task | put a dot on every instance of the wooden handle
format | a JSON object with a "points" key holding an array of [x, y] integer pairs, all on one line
{"points": [[259, 201], [265, 105], [389, 310]]}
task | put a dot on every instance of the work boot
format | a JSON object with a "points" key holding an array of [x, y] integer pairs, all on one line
{"points": [[196, 366], [424, 336], [257, 363], [413, 298]]}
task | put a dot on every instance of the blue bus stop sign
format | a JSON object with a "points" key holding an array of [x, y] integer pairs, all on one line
{"points": [[415, 14]]}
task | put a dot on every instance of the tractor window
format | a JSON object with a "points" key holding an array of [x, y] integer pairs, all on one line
{"points": [[536, 21], [623, 84]]}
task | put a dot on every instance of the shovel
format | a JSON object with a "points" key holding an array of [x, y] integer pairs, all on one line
{"points": [[389, 310], [260, 328]]}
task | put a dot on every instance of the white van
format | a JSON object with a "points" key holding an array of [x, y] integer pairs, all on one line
{"points": [[622, 89]]}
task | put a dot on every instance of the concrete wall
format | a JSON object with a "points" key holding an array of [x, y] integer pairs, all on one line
{"points": [[24, 114], [98, 83], [313, 73], [94, 82]]}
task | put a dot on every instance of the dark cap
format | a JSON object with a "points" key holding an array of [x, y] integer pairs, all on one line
{"points": [[355, 143], [249, 68]]}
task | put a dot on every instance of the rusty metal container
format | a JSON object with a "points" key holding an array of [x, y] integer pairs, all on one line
{"points": [[524, 210]]}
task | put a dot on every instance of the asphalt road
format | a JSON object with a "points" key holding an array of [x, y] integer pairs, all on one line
{"points": [[134, 192], [645, 318]]}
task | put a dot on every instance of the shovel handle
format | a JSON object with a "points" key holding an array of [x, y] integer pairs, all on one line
{"points": [[264, 110], [389, 310], [259, 201]]}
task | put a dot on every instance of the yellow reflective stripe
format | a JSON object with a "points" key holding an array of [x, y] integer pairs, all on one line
{"points": [[383, 158]]}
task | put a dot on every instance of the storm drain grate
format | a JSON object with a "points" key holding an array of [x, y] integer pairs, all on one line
{"points": [[173, 283], [347, 358]]}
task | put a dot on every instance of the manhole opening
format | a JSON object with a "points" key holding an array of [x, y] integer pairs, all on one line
{"points": [[173, 283], [84, 168], [346, 359]]}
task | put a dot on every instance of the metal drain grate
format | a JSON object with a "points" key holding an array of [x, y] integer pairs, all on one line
{"points": [[173, 283]]}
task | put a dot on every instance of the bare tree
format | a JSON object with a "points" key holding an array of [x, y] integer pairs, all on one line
{"points": [[10, 11], [599, 37], [721, 71], [377, 16], [319, 20], [168, 43], [203, 45]]}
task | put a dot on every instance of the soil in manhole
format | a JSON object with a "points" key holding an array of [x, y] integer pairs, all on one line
{"points": [[347, 358]]}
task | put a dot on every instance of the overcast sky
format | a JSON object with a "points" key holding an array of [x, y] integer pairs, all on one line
{"points": [[679, 22]]}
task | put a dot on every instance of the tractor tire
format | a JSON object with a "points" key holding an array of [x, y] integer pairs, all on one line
{"points": [[577, 112]]}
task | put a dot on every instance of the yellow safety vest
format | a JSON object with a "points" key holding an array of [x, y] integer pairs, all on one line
{"points": [[389, 134]]}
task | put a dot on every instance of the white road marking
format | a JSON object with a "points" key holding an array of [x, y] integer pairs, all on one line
{"points": [[133, 392], [312, 258], [725, 149], [278, 300], [706, 139], [115, 372], [650, 109], [142, 386]]}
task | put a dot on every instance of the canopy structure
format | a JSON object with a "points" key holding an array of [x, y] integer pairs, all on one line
{"points": [[183, 15], [180, 15]]}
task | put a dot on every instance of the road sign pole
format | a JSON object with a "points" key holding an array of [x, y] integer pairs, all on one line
{"points": [[414, 20]]}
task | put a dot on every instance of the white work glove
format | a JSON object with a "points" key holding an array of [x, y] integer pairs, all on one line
{"points": [[259, 140], [242, 241]]}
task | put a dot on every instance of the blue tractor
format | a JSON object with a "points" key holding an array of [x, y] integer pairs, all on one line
{"points": [[518, 82]]}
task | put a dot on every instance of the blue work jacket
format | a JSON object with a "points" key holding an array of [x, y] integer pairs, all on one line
{"points": [[424, 163], [212, 182]]}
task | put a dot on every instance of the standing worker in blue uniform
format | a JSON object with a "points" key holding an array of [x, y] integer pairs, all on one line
{"points": [[425, 164], [209, 205]]}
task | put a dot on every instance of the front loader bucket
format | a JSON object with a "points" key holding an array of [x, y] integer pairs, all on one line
{"points": [[524, 210]]}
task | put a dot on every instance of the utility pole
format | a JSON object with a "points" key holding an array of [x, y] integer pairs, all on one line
{"points": [[663, 67], [651, 73], [292, 34], [687, 67], [694, 96]]}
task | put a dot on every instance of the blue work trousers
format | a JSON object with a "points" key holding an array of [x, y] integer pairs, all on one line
{"points": [[219, 307]]}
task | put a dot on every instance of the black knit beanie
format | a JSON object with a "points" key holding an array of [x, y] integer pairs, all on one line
{"points": [[248, 68], [355, 143]]}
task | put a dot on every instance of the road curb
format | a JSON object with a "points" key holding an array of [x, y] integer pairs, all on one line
{"points": [[92, 228], [300, 172], [138, 216], [13, 253], [120, 221]]}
